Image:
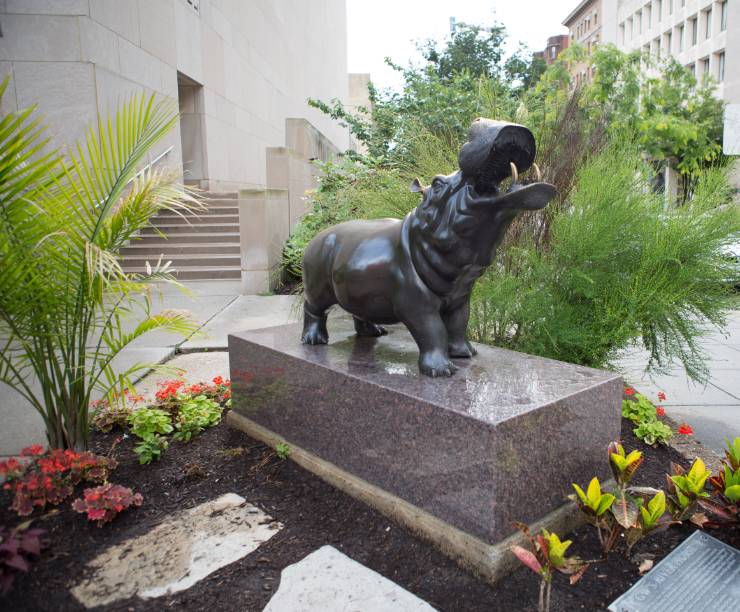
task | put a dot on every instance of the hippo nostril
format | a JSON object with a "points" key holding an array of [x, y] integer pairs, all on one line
{"points": [[514, 172]]}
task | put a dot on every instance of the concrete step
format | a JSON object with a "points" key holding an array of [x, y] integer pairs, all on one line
{"points": [[191, 237], [193, 220], [177, 248], [200, 228], [211, 211], [181, 261], [199, 272]]}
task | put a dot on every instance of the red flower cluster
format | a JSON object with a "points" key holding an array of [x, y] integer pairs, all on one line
{"points": [[685, 429], [219, 391], [661, 396], [660, 411], [168, 389], [629, 391], [49, 477], [102, 504]]}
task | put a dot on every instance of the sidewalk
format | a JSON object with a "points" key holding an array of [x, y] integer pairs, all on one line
{"points": [[216, 305], [712, 410]]}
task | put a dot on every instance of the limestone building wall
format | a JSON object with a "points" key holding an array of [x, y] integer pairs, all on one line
{"points": [[238, 68]]}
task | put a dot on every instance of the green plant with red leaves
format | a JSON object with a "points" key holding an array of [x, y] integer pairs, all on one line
{"points": [[17, 547], [102, 504], [724, 507], [685, 489], [629, 511], [42, 477], [545, 557]]}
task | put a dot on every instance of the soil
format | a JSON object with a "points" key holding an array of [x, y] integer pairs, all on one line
{"points": [[223, 460]]}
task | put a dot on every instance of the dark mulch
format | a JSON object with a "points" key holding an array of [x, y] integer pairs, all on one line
{"points": [[314, 514]]}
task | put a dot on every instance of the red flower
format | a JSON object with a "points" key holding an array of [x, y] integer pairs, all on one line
{"points": [[629, 391], [661, 396], [31, 451], [218, 381], [685, 429], [660, 411]]}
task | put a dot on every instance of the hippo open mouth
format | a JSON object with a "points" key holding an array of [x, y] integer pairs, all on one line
{"points": [[496, 150]]}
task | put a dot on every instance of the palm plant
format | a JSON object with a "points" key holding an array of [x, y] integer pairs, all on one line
{"points": [[64, 299]]}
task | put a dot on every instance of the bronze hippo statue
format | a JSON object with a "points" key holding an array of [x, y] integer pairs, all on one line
{"points": [[420, 270]]}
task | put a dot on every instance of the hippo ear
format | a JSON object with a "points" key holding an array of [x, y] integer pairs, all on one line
{"points": [[416, 186]]}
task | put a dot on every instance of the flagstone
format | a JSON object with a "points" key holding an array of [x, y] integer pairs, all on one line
{"points": [[176, 554], [329, 581]]}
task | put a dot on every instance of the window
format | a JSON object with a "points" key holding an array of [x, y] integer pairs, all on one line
{"points": [[639, 22], [659, 6], [552, 52], [721, 67], [723, 16], [692, 69], [683, 3], [621, 32], [629, 26], [649, 16], [669, 43], [705, 66], [708, 22], [596, 18], [680, 38], [670, 7], [694, 30]]}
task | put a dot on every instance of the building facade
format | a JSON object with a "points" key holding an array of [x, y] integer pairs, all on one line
{"points": [[238, 70], [555, 46], [703, 35], [584, 25]]}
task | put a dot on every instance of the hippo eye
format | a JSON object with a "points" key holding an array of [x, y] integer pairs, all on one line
{"points": [[437, 183]]}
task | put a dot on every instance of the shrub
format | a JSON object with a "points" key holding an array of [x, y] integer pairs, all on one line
{"points": [[545, 557], [17, 547], [618, 269], [151, 449], [49, 477], [108, 417], [195, 415], [102, 504], [63, 293], [146, 422]]}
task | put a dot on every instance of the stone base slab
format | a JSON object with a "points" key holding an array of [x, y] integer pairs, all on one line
{"points": [[500, 441], [490, 562]]}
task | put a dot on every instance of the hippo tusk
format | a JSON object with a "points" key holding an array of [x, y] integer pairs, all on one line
{"points": [[514, 172], [537, 172]]}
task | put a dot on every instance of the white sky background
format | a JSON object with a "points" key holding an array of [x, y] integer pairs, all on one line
{"points": [[390, 28]]}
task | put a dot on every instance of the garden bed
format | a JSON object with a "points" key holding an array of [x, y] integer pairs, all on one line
{"points": [[313, 514]]}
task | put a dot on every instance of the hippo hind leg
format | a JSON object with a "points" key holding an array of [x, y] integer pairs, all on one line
{"points": [[314, 325], [370, 330]]}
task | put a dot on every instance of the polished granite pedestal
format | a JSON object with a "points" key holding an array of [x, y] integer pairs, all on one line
{"points": [[455, 459]]}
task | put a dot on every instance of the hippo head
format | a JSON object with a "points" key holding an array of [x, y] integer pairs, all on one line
{"points": [[494, 151]]}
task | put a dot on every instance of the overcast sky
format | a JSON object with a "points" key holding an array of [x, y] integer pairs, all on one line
{"points": [[380, 28]]}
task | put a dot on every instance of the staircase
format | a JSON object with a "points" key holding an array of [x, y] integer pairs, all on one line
{"points": [[205, 247]]}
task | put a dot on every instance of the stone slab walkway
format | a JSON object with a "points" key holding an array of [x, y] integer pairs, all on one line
{"points": [[329, 581]]}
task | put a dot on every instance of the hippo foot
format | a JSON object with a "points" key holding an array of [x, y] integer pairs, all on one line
{"points": [[436, 364], [461, 349], [365, 328], [314, 332]]}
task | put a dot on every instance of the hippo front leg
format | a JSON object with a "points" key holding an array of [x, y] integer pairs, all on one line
{"points": [[456, 322], [430, 334]]}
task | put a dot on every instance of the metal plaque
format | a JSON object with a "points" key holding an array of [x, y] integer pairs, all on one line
{"points": [[701, 574]]}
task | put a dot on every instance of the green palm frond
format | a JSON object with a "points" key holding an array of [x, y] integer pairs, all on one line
{"points": [[64, 298]]}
